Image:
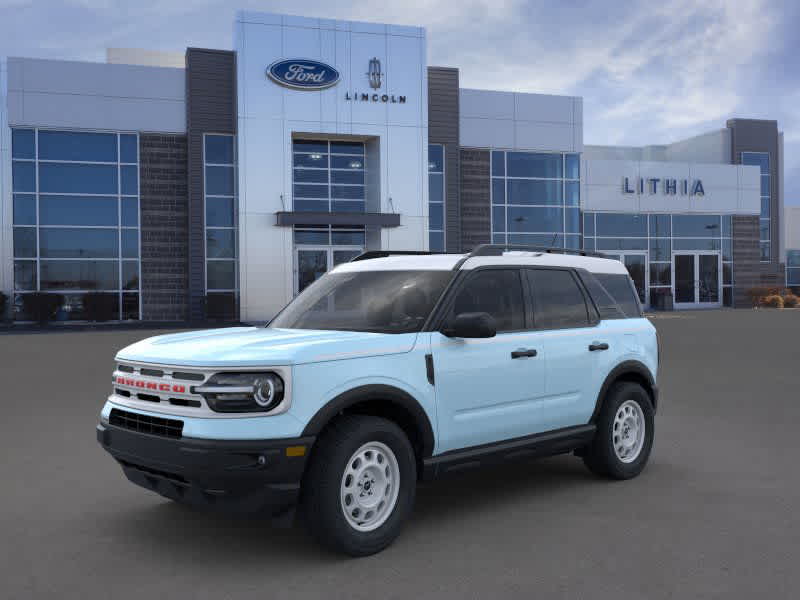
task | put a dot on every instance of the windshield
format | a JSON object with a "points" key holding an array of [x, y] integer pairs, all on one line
{"points": [[374, 301]]}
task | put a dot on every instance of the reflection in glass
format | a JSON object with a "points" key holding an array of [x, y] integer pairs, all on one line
{"points": [[80, 275], [77, 146], [56, 242], [77, 210]]}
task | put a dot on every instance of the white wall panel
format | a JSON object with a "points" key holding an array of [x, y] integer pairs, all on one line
{"points": [[486, 133], [486, 104], [540, 135]]}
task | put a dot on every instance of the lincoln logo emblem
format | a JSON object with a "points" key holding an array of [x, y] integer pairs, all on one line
{"points": [[374, 74]]}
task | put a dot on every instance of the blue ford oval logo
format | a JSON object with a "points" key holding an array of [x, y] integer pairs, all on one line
{"points": [[303, 74]]}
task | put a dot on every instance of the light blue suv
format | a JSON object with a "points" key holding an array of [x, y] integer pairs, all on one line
{"points": [[393, 368]]}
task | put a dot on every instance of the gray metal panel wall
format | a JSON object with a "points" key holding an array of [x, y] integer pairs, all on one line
{"points": [[754, 135], [210, 108], [443, 120]]}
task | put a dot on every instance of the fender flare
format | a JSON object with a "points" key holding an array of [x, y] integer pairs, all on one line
{"points": [[379, 392], [634, 367]]}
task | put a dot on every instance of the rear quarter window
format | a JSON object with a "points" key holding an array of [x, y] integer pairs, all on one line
{"points": [[621, 290]]}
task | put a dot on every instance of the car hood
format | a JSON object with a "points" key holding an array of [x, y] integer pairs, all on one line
{"points": [[259, 346]]}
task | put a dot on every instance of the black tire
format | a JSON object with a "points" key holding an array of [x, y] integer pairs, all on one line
{"points": [[320, 494], [600, 456]]}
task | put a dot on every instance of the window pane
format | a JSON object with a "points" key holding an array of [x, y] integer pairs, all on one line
{"points": [[318, 161], [220, 243], [130, 274], [130, 307], [727, 226], [572, 220], [310, 146], [219, 181], [558, 301], [435, 158], [23, 144], [436, 241], [554, 240], [436, 216], [311, 205], [128, 148], [25, 242], [497, 292], [660, 274], [621, 289], [498, 163], [77, 179], [348, 206], [130, 243], [498, 191], [78, 243], [572, 241], [524, 219], [588, 224], [25, 275], [130, 212], [763, 229], [623, 225], [727, 273], [219, 149], [311, 175], [793, 277], [77, 210], [759, 159], [221, 274], [521, 191], [696, 225], [75, 145], [352, 176], [660, 249], [765, 185], [695, 244], [24, 209], [621, 244], [311, 237], [23, 176], [530, 164], [765, 208], [219, 212], [80, 275], [347, 192], [347, 148], [660, 226], [727, 249], [498, 218], [129, 180], [793, 258], [573, 166], [765, 251], [310, 191], [348, 238], [345, 162], [436, 187], [572, 189], [727, 297]]}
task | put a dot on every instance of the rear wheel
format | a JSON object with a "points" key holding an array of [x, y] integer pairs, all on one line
{"points": [[360, 485], [624, 437]]}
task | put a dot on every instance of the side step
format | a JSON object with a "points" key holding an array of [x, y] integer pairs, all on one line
{"points": [[539, 445]]}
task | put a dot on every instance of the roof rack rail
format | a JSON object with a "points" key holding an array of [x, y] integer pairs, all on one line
{"points": [[384, 253], [498, 249]]}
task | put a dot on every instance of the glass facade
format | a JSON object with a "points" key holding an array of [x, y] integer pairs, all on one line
{"points": [[436, 197], [76, 219], [219, 159], [761, 160], [328, 176], [536, 198], [657, 237], [793, 269]]}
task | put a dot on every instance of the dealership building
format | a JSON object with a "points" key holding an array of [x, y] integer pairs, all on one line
{"points": [[218, 184]]}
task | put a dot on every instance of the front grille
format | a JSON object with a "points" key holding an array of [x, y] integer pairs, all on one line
{"points": [[171, 428]]}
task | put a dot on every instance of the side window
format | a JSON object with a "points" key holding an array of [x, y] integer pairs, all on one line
{"points": [[497, 292], [606, 305], [558, 301], [620, 288]]}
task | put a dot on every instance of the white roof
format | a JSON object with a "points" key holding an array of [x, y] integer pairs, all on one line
{"points": [[446, 262]]}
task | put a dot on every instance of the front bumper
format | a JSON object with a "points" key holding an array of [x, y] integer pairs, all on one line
{"points": [[240, 476]]}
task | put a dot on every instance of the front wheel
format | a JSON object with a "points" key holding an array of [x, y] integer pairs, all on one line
{"points": [[360, 485], [624, 437]]}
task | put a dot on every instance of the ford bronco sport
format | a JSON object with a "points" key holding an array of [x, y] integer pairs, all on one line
{"points": [[393, 368]]}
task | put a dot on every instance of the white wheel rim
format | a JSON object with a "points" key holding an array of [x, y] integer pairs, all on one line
{"points": [[629, 431], [370, 486]]}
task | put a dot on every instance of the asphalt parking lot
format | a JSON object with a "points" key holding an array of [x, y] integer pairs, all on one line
{"points": [[715, 514]]}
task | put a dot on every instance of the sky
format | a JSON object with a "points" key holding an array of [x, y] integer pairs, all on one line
{"points": [[650, 72]]}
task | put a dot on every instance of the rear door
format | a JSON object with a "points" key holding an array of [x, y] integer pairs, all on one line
{"points": [[488, 389], [572, 343]]}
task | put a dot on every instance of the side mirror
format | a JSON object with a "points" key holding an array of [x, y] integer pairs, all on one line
{"points": [[471, 325]]}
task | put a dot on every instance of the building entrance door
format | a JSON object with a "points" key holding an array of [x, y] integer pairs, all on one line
{"points": [[311, 263], [636, 263], [697, 279]]}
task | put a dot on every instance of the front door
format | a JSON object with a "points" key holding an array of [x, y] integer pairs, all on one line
{"points": [[311, 263], [696, 279], [636, 263]]}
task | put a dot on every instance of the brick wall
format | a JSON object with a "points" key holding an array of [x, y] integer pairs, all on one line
{"points": [[165, 226], [476, 216], [748, 271]]}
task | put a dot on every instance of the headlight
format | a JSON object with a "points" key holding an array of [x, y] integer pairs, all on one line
{"points": [[242, 392]]}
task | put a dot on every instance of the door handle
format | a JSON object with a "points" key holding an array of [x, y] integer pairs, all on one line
{"points": [[598, 346], [523, 353]]}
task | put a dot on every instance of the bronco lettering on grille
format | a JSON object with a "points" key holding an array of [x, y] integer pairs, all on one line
{"points": [[150, 385]]}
